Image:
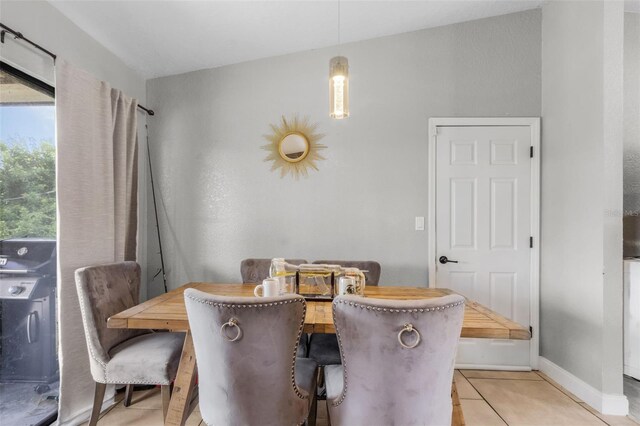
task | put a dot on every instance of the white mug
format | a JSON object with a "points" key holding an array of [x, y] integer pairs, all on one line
{"points": [[270, 287], [346, 285]]}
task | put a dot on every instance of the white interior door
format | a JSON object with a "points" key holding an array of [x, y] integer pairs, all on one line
{"points": [[483, 229]]}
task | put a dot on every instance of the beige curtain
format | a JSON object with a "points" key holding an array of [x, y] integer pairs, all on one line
{"points": [[97, 187]]}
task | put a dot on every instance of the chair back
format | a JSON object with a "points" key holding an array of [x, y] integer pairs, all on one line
{"points": [[256, 270], [390, 375], [103, 291], [247, 367], [372, 276]]}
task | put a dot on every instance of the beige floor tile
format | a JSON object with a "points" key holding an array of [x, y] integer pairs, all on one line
{"points": [[121, 416], [146, 399], [520, 400], [477, 412], [105, 412], [487, 374], [143, 411], [563, 390], [532, 402], [611, 420], [195, 418], [465, 390]]}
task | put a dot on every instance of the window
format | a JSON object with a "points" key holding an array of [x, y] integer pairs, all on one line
{"points": [[28, 352]]}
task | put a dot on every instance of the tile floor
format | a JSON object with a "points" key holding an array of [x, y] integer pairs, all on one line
{"points": [[487, 398], [21, 404]]}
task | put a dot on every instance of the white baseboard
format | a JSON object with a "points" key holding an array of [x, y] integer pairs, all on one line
{"points": [[613, 404], [632, 371], [492, 367]]}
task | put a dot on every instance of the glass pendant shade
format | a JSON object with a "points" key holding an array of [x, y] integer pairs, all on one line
{"points": [[339, 87]]}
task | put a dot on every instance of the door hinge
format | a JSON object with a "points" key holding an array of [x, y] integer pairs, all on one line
{"points": [[531, 152], [530, 242], [531, 331]]}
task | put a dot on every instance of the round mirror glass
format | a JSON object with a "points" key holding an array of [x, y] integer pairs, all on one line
{"points": [[294, 147]]}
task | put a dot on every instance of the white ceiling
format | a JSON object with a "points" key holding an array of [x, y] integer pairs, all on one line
{"points": [[158, 38]]}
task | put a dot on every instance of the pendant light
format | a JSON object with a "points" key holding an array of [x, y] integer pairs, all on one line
{"points": [[339, 83]]}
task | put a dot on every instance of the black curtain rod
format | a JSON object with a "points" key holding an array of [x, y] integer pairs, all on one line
{"points": [[148, 111], [18, 36]]}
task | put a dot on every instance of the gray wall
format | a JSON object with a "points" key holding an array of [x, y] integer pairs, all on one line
{"points": [[632, 134], [581, 257], [219, 201]]}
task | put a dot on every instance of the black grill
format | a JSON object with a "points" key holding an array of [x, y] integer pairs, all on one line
{"points": [[28, 310]]}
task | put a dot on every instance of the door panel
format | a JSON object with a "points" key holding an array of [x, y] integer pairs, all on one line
{"points": [[483, 200], [463, 213], [504, 213]]}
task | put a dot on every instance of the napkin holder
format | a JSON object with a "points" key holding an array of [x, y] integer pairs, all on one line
{"points": [[306, 290], [315, 281]]}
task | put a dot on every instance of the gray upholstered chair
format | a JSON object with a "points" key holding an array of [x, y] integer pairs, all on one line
{"points": [[324, 347], [246, 354], [122, 356], [397, 361], [256, 270]]}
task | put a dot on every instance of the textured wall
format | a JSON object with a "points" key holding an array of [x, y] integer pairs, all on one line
{"points": [[219, 201], [581, 246], [632, 133]]}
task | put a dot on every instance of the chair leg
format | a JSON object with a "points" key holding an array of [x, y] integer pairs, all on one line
{"points": [[320, 376], [313, 412], [321, 391], [165, 391], [313, 409], [128, 394], [97, 403]]}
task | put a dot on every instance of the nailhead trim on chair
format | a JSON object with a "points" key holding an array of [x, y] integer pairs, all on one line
{"points": [[263, 305], [153, 382], [378, 309], [88, 337], [104, 366]]}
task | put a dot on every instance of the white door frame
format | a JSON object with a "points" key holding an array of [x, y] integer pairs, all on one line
{"points": [[534, 125]]}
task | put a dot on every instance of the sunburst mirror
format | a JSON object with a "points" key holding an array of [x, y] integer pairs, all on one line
{"points": [[293, 147]]}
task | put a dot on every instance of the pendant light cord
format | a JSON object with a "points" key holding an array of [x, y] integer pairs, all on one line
{"points": [[339, 23]]}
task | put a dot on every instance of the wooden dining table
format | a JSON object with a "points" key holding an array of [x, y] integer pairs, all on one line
{"points": [[167, 312]]}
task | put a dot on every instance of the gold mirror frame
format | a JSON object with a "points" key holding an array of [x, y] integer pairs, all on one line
{"points": [[285, 157], [295, 166]]}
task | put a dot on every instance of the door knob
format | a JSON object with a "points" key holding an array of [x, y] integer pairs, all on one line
{"points": [[444, 260]]}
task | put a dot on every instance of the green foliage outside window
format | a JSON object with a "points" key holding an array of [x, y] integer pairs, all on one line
{"points": [[27, 189]]}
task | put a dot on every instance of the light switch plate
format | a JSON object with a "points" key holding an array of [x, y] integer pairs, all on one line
{"points": [[419, 223]]}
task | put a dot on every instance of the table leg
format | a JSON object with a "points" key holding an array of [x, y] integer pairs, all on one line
{"points": [[183, 385], [457, 419]]}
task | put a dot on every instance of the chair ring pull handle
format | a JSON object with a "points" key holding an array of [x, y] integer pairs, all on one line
{"points": [[408, 328], [231, 323]]}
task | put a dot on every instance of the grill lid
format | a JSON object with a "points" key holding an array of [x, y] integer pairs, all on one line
{"points": [[28, 256]]}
